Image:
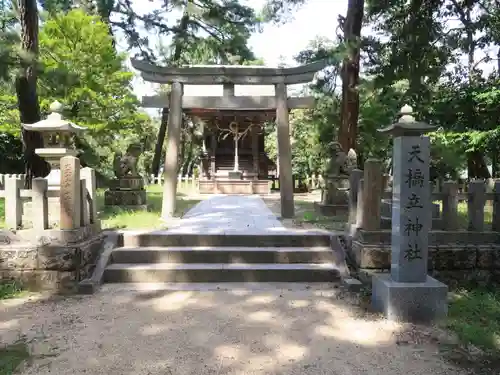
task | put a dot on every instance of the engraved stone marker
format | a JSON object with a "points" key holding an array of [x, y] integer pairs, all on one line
{"points": [[408, 293], [411, 210], [70, 193]]}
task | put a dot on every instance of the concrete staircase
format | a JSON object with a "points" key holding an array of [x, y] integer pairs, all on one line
{"points": [[162, 257]]}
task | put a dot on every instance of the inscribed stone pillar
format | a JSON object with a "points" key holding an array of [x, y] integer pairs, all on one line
{"points": [[70, 193], [172, 151], [411, 209], [408, 293], [284, 152]]}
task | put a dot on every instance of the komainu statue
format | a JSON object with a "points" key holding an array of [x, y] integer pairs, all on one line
{"points": [[351, 161], [337, 161], [334, 194], [127, 190], [126, 165]]}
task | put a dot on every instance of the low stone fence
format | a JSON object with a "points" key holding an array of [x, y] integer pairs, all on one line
{"points": [[12, 190], [183, 182], [460, 248], [42, 257], [192, 183]]}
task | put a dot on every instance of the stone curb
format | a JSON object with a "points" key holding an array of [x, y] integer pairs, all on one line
{"points": [[92, 284]]}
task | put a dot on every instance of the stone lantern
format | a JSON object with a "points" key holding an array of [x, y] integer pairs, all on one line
{"points": [[58, 137]]}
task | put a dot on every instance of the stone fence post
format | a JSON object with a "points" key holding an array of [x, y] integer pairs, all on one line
{"points": [[39, 204], [450, 205], [355, 177], [475, 205], [13, 203], [360, 203], [372, 195], [88, 175], [84, 207], [495, 222], [386, 178]]}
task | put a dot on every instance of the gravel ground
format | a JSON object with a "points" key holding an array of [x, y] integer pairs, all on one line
{"points": [[269, 329]]}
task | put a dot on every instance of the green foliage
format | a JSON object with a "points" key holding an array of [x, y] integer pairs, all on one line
{"points": [[11, 150], [82, 70], [280, 10], [2, 212], [9, 289], [217, 26], [414, 57], [12, 356], [474, 315]]}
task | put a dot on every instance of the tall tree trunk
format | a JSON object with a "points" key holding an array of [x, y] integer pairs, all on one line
{"points": [[476, 166], [155, 165], [29, 109], [350, 76]]}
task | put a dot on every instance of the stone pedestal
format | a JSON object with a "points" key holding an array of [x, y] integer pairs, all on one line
{"points": [[334, 197], [408, 293], [126, 192], [414, 302]]}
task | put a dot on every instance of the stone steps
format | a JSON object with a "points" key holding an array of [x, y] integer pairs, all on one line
{"points": [[277, 239], [165, 257], [200, 254], [219, 272]]}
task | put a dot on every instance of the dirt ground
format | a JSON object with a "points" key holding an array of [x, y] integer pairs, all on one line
{"points": [[227, 329]]}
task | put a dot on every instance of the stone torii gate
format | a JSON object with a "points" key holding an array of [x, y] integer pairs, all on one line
{"points": [[227, 76]]}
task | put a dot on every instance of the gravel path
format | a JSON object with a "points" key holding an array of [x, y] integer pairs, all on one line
{"points": [[292, 329]]}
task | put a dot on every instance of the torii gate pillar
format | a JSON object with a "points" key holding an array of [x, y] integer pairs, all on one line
{"points": [[172, 151], [284, 152]]}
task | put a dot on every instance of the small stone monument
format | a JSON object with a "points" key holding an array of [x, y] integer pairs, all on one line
{"points": [[334, 197], [127, 190], [59, 141], [408, 293]]}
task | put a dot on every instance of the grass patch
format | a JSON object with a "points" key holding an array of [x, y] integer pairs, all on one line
{"points": [[306, 215], [12, 356], [9, 289], [463, 218], [2, 213], [120, 218], [474, 315]]}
